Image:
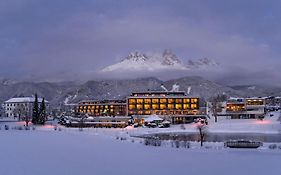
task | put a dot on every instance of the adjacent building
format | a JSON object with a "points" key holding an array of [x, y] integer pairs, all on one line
{"points": [[102, 108], [21, 106], [245, 108]]}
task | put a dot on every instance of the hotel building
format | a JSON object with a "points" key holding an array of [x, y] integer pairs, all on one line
{"points": [[174, 106]]}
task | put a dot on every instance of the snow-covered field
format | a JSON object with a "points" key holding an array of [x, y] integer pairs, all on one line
{"points": [[45, 151]]}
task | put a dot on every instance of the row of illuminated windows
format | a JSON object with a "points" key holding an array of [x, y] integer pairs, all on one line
{"points": [[162, 100], [99, 107], [162, 106], [96, 111], [255, 102], [235, 107], [147, 112]]}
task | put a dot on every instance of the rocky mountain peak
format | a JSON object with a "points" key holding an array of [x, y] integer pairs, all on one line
{"points": [[136, 56], [169, 58]]}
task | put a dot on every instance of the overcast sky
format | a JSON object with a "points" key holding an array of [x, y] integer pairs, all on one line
{"points": [[71, 38]]}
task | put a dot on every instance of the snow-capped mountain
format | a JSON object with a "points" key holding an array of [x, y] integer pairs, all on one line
{"points": [[170, 59], [137, 61]]}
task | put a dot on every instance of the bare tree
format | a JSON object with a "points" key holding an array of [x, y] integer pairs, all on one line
{"points": [[22, 112], [201, 126], [216, 105], [19, 111]]}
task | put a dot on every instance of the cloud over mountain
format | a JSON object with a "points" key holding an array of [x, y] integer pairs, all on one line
{"points": [[168, 61]]}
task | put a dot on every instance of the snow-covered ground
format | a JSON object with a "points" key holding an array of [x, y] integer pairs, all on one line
{"points": [[71, 152], [46, 151], [270, 125]]}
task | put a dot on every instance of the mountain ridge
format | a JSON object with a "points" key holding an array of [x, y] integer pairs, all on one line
{"points": [[70, 92]]}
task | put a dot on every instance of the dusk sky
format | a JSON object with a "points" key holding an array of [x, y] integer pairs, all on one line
{"points": [[52, 39]]}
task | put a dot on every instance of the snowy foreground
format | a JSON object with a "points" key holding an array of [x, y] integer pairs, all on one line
{"points": [[48, 152], [45, 151]]}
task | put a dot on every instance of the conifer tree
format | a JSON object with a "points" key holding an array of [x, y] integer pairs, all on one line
{"points": [[42, 114], [35, 112]]}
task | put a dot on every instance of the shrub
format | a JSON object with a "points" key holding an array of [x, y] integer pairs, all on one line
{"points": [[272, 146], [152, 142], [123, 138], [177, 143], [182, 127], [185, 144]]}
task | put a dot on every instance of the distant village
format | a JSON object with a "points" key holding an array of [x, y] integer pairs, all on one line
{"points": [[147, 108]]}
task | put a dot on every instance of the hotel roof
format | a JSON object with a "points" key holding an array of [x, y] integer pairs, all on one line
{"points": [[159, 93], [23, 100]]}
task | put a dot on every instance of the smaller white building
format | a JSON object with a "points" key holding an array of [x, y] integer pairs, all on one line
{"points": [[21, 106]]}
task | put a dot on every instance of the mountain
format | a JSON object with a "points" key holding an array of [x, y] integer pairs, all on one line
{"points": [[70, 92], [198, 87], [257, 90], [137, 61]]}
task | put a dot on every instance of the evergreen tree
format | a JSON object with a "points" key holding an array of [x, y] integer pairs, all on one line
{"points": [[42, 115], [35, 112]]}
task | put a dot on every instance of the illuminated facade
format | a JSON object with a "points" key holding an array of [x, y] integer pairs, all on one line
{"points": [[175, 105], [245, 107], [102, 108]]}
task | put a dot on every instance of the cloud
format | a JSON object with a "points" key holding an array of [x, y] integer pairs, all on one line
{"points": [[74, 40]]}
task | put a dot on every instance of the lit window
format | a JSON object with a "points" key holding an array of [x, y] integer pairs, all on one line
{"points": [[193, 106], [147, 100], [163, 100], [139, 101], [132, 101], [194, 100], [147, 106], [178, 106], [170, 106], [132, 107], [162, 106], [147, 112], [139, 106], [186, 100], [155, 106], [178, 100], [170, 100], [186, 106], [155, 100]]}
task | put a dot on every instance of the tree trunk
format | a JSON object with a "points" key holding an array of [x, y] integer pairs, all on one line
{"points": [[201, 137], [216, 118]]}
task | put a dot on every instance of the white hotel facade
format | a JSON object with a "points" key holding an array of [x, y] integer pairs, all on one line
{"points": [[21, 106]]}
